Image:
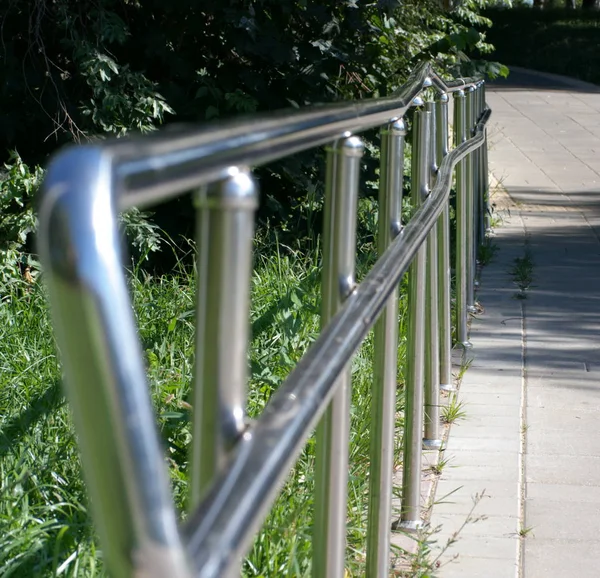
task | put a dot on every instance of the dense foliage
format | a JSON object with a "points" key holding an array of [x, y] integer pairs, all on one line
{"points": [[81, 69], [551, 40], [76, 70]]}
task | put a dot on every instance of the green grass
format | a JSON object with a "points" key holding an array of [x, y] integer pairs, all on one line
{"points": [[486, 252], [454, 410], [44, 525], [522, 272], [45, 528]]}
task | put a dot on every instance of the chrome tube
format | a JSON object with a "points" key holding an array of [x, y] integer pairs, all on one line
{"points": [[410, 515], [486, 174], [431, 439], [486, 184], [162, 165], [105, 378], [165, 164], [476, 184], [123, 464], [446, 86], [480, 172], [333, 432], [462, 259], [225, 232], [444, 273], [470, 202], [240, 498], [385, 374]]}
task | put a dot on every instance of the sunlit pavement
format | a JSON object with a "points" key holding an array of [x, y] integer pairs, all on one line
{"points": [[529, 440]]}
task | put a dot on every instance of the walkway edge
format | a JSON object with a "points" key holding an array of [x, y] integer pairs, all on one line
{"points": [[486, 447]]}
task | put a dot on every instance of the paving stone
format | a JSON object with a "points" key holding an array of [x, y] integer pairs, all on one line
{"points": [[500, 473], [488, 505], [472, 566], [553, 418], [507, 460], [485, 547], [492, 399], [588, 494], [562, 520], [545, 144], [555, 558], [486, 380], [479, 524], [490, 445], [554, 469], [460, 488], [512, 388], [562, 442], [551, 396], [473, 419], [486, 432]]}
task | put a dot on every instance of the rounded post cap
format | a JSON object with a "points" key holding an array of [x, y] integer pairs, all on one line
{"points": [[236, 190], [398, 127], [352, 146]]}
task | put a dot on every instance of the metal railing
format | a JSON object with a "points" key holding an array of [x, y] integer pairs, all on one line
{"points": [[237, 468]]}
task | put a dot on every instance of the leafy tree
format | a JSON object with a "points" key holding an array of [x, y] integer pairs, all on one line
{"points": [[81, 69]]}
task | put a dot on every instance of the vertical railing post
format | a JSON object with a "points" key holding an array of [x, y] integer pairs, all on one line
{"points": [[471, 240], [431, 438], [486, 183], [105, 379], [339, 255], [480, 178], [410, 516], [462, 246], [383, 404], [225, 231], [476, 181], [444, 275]]}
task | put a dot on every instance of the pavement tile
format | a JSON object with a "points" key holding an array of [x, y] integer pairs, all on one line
{"points": [[472, 566], [486, 547], [556, 558], [553, 469], [562, 520], [491, 445], [486, 432], [587, 494], [550, 165]]}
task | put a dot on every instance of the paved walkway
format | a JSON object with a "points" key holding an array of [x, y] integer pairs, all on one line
{"points": [[531, 435]]}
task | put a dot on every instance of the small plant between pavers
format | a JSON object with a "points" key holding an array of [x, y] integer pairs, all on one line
{"points": [[440, 465], [464, 366], [486, 252], [454, 410], [525, 531], [522, 273], [426, 561]]}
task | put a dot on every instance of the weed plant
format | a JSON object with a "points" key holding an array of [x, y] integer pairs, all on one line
{"points": [[45, 527]]}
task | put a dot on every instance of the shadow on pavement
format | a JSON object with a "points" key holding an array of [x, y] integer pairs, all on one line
{"points": [[562, 305]]}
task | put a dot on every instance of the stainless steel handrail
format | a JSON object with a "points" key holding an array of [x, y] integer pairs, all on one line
{"points": [[235, 472], [241, 497], [159, 166]]}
